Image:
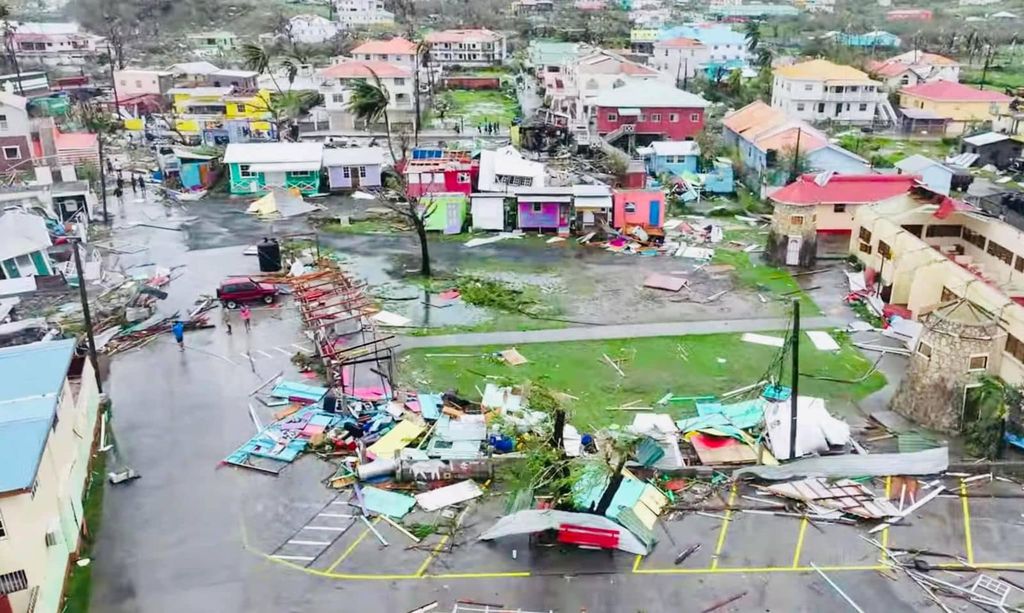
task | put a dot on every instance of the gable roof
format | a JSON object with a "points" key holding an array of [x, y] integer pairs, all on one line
{"points": [[812, 189], [676, 147], [31, 379], [354, 156], [364, 69], [649, 95], [22, 233], [270, 153], [786, 138], [821, 70], [923, 57], [757, 114], [199, 68], [606, 62], [948, 91], [914, 164], [507, 161], [395, 46], [680, 43]]}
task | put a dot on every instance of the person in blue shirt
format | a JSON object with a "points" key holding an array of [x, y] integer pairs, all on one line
{"points": [[178, 330]]}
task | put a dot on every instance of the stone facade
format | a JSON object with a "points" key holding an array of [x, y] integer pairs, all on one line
{"points": [[788, 221], [932, 392]]}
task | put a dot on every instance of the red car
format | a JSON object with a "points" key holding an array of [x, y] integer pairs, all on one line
{"points": [[235, 291]]}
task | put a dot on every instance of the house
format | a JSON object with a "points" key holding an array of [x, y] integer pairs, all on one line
{"points": [[24, 240], [354, 167], [76, 148], [192, 74], [814, 214], [257, 168], [532, 7], [545, 209], [312, 29], [48, 416], [575, 89], [488, 211], [15, 128], [877, 39], [55, 44], [28, 83], [213, 43], [133, 82], [753, 11], [397, 51], [818, 90], [638, 207], [592, 205], [222, 114], [445, 211], [767, 139], [913, 68], [963, 105], [362, 13], [649, 112], [242, 80], [337, 92], [816, 6], [478, 47], [723, 43], [909, 15], [999, 150], [551, 56], [673, 157], [680, 57], [506, 170], [446, 172], [934, 175], [958, 273]]}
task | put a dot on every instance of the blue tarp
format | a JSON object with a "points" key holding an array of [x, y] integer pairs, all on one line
{"points": [[190, 176], [430, 405], [293, 389], [387, 503], [729, 419]]}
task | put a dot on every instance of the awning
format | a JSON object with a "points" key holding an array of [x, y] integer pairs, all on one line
{"points": [[285, 167], [629, 112], [533, 520], [593, 202], [543, 198]]}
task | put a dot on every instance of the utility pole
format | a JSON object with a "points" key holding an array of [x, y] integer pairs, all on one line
{"points": [[84, 296], [794, 172], [796, 378]]}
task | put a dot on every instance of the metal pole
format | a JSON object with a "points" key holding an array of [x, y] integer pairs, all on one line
{"points": [[796, 378], [103, 176], [84, 296]]}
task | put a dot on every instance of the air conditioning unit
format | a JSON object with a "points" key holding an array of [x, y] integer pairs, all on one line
{"points": [[628, 128]]}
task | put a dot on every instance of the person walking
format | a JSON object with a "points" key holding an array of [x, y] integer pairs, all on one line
{"points": [[135, 185], [118, 192], [142, 184], [246, 317], [178, 330], [225, 318]]}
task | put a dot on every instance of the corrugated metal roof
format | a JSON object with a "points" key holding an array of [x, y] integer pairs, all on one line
{"points": [[31, 379]]}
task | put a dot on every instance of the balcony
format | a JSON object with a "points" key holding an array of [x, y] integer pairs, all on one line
{"points": [[860, 96]]}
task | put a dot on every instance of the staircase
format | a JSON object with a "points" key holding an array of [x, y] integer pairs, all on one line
{"points": [[887, 113], [614, 135]]}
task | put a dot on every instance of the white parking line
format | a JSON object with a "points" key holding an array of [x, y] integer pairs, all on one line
{"points": [[312, 543], [296, 558], [264, 353], [282, 351], [332, 528], [335, 515], [302, 347]]}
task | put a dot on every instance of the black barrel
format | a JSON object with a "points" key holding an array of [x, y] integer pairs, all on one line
{"points": [[269, 254]]}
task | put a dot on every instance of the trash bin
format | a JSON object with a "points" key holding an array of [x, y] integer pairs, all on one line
{"points": [[269, 254]]}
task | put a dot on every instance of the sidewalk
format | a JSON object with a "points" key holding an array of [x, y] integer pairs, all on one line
{"points": [[618, 331]]}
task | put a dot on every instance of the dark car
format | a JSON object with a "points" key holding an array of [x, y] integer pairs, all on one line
{"points": [[235, 291]]}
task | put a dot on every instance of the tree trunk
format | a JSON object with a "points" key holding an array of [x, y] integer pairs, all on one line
{"points": [[613, 486], [421, 234]]}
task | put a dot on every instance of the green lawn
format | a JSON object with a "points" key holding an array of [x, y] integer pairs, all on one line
{"points": [[713, 364], [479, 106], [78, 591], [997, 79], [771, 282]]}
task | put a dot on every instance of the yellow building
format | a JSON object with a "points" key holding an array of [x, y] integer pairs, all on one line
{"points": [[209, 108], [963, 105]]}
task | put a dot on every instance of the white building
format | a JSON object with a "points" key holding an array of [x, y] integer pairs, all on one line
{"points": [[586, 78], [506, 170], [398, 51], [312, 29], [337, 91], [819, 90], [362, 12], [55, 44], [467, 47], [913, 68], [817, 6], [47, 426], [680, 58]]}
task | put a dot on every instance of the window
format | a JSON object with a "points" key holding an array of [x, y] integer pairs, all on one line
{"points": [[673, 117], [12, 153], [463, 177], [399, 81], [537, 207], [799, 106], [1018, 264], [13, 582], [1015, 348], [3, 122], [694, 117], [613, 117], [864, 235], [630, 207], [914, 229], [245, 173], [656, 117], [346, 172], [821, 107], [943, 231], [884, 250], [643, 117], [138, 83], [863, 107], [338, 98], [1000, 252], [301, 174], [978, 362], [796, 220], [362, 172], [839, 208], [924, 349], [3, 528], [864, 247], [975, 238]]}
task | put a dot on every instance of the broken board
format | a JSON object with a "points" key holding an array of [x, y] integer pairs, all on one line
{"points": [[716, 450], [665, 282], [761, 339], [823, 341], [513, 357]]}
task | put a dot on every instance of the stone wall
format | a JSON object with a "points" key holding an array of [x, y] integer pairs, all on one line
{"points": [[783, 227], [932, 391]]}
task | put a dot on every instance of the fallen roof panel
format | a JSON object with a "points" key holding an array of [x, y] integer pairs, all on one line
{"points": [[927, 462]]}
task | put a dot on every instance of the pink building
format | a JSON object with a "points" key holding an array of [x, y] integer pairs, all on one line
{"points": [[909, 15], [654, 110], [638, 207]]}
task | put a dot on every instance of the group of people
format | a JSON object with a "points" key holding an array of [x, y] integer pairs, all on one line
{"points": [[488, 127], [138, 185], [178, 327]]}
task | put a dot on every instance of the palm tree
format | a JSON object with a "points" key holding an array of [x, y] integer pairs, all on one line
{"points": [[752, 32], [283, 105], [765, 56], [368, 102], [8, 33]]}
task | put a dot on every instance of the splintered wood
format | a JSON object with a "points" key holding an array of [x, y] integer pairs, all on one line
{"points": [[845, 495]]}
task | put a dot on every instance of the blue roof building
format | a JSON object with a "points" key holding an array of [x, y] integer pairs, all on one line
{"points": [[31, 380], [877, 38]]}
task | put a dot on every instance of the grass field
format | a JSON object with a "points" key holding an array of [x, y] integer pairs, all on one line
{"points": [[997, 78], [479, 106], [684, 366], [768, 280]]}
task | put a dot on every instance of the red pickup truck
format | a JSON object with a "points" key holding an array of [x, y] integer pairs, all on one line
{"points": [[237, 290]]}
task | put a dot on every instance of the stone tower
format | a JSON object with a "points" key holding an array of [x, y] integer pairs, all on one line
{"points": [[958, 344]]}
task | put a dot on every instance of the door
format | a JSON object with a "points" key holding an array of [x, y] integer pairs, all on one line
{"points": [[654, 214], [354, 173], [793, 250], [972, 404], [453, 221], [40, 263], [274, 179]]}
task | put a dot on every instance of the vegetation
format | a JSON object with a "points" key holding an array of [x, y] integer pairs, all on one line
{"points": [[690, 365], [78, 592], [476, 107], [983, 437], [769, 281]]}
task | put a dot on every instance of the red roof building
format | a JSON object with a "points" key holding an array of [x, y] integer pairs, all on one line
{"points": [[811, 189], [362, 69], [948, 91]]}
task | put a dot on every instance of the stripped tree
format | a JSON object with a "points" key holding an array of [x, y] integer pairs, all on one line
{"points": [[284, 105], [368, 102]]}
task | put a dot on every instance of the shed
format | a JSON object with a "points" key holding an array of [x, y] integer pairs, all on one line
{"points": [[639, 207], [258, 167], [592, 204], [1000, 150], [488, 211], [546, 208], [24, 240], [354, 167], [446, 211], [934, 175]]}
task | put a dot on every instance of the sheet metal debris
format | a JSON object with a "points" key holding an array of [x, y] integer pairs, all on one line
{"points": [[928, 462]]}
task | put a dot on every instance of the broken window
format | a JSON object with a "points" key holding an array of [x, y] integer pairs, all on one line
{"points": [[463, 177], [924, 349], [947, 295], [1015, 348], [944, 231], [975, 238], [865, 234], [978, 362], [1000, 252], [796, 220], [884, 250], [630, 207], [838, 208]]}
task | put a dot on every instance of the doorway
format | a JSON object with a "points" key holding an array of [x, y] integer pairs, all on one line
{"points": [[353, 172], [793, 245]]}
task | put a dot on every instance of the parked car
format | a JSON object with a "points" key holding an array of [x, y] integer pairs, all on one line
{"points": [[237, 290]]}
